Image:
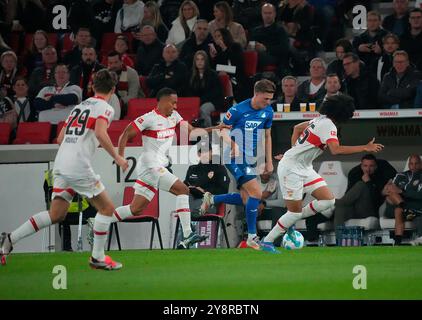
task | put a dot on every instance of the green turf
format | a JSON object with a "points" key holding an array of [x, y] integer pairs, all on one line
{"points": [[310, 273]]}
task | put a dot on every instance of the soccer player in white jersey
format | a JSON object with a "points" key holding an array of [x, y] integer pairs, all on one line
{"points": [[158, 129], [85, 127], [295, 171]]}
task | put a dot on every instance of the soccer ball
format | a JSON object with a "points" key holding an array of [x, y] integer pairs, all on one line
{"points": [[288, 243]]}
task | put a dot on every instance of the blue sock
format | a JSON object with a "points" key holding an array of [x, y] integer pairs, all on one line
{"points": [[251, 213], [228, 198]]}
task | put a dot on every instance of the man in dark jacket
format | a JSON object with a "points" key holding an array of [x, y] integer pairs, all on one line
{"points": [[149, 52], [313, 90], [171, 73], [358, 83], [398, 88], [411, 41], [398, 22], [82, 40]]}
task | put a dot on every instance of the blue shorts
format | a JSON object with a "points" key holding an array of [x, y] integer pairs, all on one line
{"points": [[242, 172]]}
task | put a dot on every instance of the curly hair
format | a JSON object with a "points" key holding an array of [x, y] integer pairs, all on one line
{"points": [[338, 108]]}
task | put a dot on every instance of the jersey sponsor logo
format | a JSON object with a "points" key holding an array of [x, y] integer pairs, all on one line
{"points": [[228, 115], [252, 125]]}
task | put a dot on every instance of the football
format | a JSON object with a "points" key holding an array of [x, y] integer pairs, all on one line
{"points": [[290, 245]]}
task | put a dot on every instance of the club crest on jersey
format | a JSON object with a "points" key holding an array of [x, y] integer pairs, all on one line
{"points": [[140, 120], [251, 125], [264, 115], [228, 115], [333, 133]]}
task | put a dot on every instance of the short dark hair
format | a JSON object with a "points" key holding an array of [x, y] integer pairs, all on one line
{"points": [[113, 54], [264, 86], [103, 81], [415, 10], [165, 92], [345, 44], [368, 156], [352, 55], [338, 107]]}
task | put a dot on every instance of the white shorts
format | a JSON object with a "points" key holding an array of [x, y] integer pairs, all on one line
{"points": [[294, 185], [66, 187], [151, 179]]}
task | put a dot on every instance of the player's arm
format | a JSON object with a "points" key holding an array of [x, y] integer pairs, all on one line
{"points": [[268, 151], [335, 148], [105, 142], [210, 129], [128, 133], [61, 135], [297, 131]]}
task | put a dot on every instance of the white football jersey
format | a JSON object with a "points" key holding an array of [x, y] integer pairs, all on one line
{"points": [[79, 142], [310, 144], [157, 132]]}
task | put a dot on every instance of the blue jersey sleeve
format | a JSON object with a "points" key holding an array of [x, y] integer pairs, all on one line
{"points": [[232, 115], [268, 123]]}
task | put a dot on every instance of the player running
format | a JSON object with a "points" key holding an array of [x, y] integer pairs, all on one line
{"points": [[295, 171], [85, 127], [158, 129], [249, 119]]}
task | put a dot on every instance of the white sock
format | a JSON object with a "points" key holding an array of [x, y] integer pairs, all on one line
{"points": [[284, 223], [251, 236], [121, 213], [101, 227], [324, 207], [182, 209], [34, 224]]}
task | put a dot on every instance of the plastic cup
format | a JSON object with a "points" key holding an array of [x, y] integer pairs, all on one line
{"points": [[286, 107], [312, 106], [303, 107]]}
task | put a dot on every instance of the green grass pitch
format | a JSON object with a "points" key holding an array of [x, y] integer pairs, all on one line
{"points": [[240, 274]]}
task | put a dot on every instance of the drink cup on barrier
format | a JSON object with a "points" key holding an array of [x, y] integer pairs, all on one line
{"points": [[303, 107], [312, 106], [286, 107]]}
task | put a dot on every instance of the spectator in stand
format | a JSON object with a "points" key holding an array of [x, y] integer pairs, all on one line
{"points": [[297, 17], [204, 83], [199, 39], [248, 12], [368, 45], [228, 52], [223, 19], [114, 100], [43, 76], [404, 199], [129, 16], [121, 45], [83, 73], [23, 107], [104, 13], [332, 85], [54, 103], [398, 21], [418, 98], [149, 51], [182, 26], [82, 40], [358, 83], [289, 86], [33, 56], [7, 111], [313, 90], [398, 88], [390, 43], [206, 8], [152, 17], [325, 18], [364, 190], [9, 71], [411, 41], [271, 41], [342, 47], [169, 10], [171, 73], [128, 80]]}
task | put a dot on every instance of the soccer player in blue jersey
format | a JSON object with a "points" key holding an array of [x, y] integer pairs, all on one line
{"points": [[250, 120]]}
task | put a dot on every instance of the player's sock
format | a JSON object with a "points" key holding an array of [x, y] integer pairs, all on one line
{"points": [[325, 207], [101, 226], [284, 223], [121, 213], [228, 198], [182, 209], [251, 212], [34, 224]]}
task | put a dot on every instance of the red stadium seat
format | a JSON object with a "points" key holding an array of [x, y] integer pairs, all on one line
{"points": [[139, 106], [67, 44], [225, 84], [33, 133], [218, 217], [250, 63], [5, 129], [144, 86], [15, 43], [150, 214], [188, 107], [59, 128], [52, 40]]}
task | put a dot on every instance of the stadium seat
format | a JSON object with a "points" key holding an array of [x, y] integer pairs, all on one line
{"points": [[225, 84], [250, 63], [67, 44], [116, 129], [59, 128], [139, 106], [149, 214], [33, 133], [15, 42], [218, 217], [5, 130], [144, 86], [188, 107], [52, 40]]}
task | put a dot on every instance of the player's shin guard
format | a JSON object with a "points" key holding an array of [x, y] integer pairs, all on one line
{"points": [[284, 223], [325, 207], [121, 213], [183, 210], [251, 213], [34, 224], [228, 198], [101, 226]]}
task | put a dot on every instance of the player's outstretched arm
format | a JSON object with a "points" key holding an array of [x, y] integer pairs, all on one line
{"points": [[336, 148], [105, 142], [297, 131], [128, 133], [269, 168], [61, 135]]}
